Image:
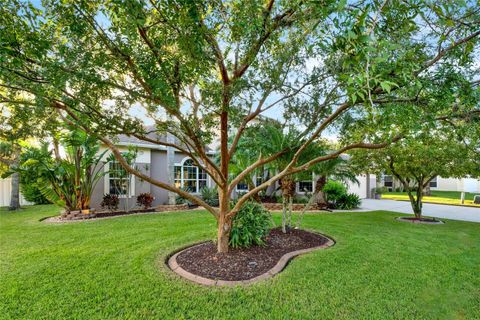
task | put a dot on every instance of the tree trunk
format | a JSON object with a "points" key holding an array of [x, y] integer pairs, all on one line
{"points": [[290, 207], [288, 191], [319, 194], [15, 195], [284, 214], [427, 191], [418, 205], [224, 226], [416, 202]]}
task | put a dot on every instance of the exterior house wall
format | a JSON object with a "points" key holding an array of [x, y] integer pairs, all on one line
{"points": [[361, 189], [159, 171], [6, 192], [449, 184], [143, 164]]}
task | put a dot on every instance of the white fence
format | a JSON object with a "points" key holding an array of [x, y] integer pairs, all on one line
{"points": [[6, 191]]}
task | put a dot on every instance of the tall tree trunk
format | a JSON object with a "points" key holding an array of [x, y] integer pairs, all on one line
{"points": [[288, 191], [224, 226], [15, 195]]}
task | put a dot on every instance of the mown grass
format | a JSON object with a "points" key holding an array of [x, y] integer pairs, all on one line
{"points": [[441, 197], [113, 269]]}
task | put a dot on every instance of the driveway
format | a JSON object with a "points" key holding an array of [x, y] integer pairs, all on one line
{"points": [[429, 209]]}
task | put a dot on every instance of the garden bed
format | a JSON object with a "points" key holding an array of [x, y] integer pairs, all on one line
{"points": [[201, 263], [421, 220], [274, 206], [78, 216]]}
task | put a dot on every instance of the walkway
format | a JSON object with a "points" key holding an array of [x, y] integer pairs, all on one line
{"points": [[429, 209]]}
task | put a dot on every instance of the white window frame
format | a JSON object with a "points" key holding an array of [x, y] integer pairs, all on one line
{"points": [[197, 180], [433, 180], [241, 190], [106, 189], [297, 185], [388, 175]]}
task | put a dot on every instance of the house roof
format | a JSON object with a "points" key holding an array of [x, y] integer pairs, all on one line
{"points": [[128, 140]]}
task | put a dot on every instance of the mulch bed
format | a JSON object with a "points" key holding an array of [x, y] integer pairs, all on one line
{"points": [[120, 213], [246, 263], [420, 220]]}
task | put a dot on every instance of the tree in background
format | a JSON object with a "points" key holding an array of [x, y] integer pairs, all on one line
{"points": [[199, 68], [417, 159]]}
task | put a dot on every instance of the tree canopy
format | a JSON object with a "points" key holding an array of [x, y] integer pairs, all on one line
{"points": [[202, 69]]}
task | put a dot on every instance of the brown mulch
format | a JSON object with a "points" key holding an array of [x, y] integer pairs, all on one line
{"points": [[246, 263], [120, 213], [414, 219]]}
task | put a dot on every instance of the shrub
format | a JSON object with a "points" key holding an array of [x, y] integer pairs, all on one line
{"points": [[30, 176], [145, 200], [210, 196], [31, 191], [181, 200], [348, 201], [110, 201], [250, 225], [301, 199], [334, 190], [380, 190]]}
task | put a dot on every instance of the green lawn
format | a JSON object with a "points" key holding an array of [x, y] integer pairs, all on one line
{"points": [[113, 268], [443, 197]]}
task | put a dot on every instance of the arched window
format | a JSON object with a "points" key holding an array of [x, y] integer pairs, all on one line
{"points": [[190, 177]]}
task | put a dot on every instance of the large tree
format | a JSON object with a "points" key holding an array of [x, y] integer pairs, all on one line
{"points": [[199, 69]]}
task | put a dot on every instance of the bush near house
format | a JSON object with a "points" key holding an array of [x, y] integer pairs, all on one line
{"points": [[210, 196], [145, 200], [110, 202], [338, 197]]}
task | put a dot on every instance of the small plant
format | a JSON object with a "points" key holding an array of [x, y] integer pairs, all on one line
{"points": [[301, 199], [110, 202], [250, 226], [380, 190], [348, 201], [210, 196], [145, 200]]}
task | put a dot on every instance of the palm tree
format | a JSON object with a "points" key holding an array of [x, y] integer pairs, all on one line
{"points": [[271, 138], [337, 169]]}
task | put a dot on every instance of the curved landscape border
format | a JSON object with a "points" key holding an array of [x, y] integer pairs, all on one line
{"points": [[405, 219], [279, 266]]}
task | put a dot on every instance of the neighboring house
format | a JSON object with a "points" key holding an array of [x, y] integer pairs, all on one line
{"points": [[438, 183], [6, 192]]}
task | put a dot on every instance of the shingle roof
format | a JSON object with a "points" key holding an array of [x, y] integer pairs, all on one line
{"points": [[123, 139]]}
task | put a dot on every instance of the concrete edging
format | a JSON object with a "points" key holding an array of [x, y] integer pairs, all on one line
{"points": [[405, 219], [282, 262]]}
